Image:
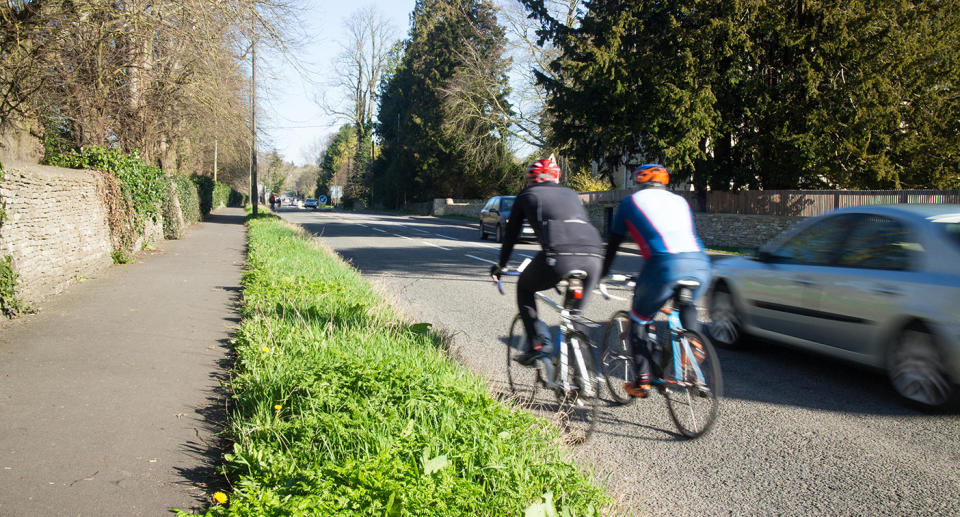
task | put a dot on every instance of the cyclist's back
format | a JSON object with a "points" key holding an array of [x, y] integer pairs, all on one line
{"points": [[659, 221]]}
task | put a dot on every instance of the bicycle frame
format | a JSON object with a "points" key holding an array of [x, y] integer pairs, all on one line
{"points": [[560, 348], [681, 348]]}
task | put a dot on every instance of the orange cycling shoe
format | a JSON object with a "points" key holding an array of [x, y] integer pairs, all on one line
{"points": [[636, 390]]}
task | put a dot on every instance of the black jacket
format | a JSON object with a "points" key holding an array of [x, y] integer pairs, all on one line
{"points": [[557, 217]]}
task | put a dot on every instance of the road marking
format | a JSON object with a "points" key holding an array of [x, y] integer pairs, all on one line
{"points": [[482, 259], [414, 229], [379, 230], [446, 237], [401, 236], [436, 245]]}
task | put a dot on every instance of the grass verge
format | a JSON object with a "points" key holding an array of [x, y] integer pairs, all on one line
{"points": [[341, 408]]}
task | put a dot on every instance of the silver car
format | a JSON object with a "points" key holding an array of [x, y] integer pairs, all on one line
{"points": [[877, 285]]}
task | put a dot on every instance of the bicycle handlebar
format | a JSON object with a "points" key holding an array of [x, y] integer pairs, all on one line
{"points": [[506, 272]]}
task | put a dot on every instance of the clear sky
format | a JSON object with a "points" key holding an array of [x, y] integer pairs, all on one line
{"points": [[294, 120]]}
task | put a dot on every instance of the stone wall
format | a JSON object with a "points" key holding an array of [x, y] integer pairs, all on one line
{"points": [[465, 207], [740, 231], [56, 229]]}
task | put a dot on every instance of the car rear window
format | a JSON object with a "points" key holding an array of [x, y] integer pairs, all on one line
{"points": [[953, 232], [950, 223]]}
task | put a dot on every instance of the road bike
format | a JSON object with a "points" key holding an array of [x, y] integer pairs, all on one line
{"points": [[566, 371], [692, 382]]}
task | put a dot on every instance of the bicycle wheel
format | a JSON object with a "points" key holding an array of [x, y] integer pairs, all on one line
{"points": [[577, 405], [523, 380], [694, 399], [617, 361]]}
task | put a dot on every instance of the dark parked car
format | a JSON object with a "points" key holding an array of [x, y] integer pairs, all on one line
{"points": [[494, 216], [876, 285]]}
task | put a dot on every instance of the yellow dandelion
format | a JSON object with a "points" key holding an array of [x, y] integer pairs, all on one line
{"points": [[220, 497], [265, 350], [278, 407]]}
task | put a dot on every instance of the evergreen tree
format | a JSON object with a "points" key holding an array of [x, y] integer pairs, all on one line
{"points": [[424, 155]]}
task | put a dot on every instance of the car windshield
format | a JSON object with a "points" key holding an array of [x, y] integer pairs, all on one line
{"points": [[506, 204]]}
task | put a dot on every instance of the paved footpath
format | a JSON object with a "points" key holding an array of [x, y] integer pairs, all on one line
{"points": [[110, 397]]}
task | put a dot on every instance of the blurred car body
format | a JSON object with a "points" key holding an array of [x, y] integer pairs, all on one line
{"points": [[494, 216], [876, 285], [310, 203]]}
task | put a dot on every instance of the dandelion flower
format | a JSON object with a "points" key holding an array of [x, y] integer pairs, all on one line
{"points": [[220, 497], [265, 350], [278, 407]]}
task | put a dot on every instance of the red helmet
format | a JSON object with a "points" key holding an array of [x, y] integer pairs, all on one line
{"points": [[543, 170], [651, 172]]}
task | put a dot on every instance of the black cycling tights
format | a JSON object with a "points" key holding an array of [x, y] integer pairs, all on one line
{"points": [[539, 276]]}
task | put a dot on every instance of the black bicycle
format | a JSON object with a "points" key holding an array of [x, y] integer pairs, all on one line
{"points": [[566, 370], [692, 382]]}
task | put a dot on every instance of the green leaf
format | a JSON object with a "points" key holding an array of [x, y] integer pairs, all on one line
{"points": [[435, 464]]}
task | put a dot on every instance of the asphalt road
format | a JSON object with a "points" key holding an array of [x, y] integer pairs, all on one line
{"points": [[797, 434]]}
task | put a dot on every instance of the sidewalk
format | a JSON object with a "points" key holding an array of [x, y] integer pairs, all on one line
{"points": [[110, 396]]}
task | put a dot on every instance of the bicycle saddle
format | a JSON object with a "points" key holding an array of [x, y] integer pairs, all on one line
{"points": [[576, 274], [683, 290]]}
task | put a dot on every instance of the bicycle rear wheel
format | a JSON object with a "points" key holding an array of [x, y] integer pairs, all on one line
{"points": [[523, 380], [577, 406], [617, 361], [694, 399]]}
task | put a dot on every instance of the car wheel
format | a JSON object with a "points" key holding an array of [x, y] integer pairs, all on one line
{"points": [[499, 233], [726, 329], [483, 234], [915, 369]]}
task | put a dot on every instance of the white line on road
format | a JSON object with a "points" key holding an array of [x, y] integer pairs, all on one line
{"points": [[379, 230], [446, 237], [401, 236], [436, 245], [482, 259], [414, 229]]}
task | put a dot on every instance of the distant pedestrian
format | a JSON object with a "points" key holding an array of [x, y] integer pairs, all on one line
{"points": [[273, 202]]}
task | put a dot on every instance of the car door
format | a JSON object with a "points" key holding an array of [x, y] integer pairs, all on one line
{"points": [[866, 289], [486, 218], [784, 294]]}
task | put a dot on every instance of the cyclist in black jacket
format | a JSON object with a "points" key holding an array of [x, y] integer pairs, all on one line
{"points": [[567, 239]]}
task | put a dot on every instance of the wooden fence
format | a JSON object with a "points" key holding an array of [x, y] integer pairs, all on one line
{"points": [[789, 202]]}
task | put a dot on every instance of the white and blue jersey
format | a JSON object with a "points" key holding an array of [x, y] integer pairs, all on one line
{"points": [[659, 221], [661, 224]]}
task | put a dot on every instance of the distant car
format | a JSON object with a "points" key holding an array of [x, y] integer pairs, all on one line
{"points": [[494, 216], [310, 203], [876, 285]]}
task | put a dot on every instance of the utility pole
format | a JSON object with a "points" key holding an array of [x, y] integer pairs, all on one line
{"points": [[216, 141], [254, 191]]}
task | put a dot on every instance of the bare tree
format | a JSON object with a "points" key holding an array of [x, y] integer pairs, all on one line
{"points": [[166, 77], [530, 57]]}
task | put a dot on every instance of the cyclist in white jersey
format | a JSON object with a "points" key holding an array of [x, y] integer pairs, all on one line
{"points": [[661, 223]]}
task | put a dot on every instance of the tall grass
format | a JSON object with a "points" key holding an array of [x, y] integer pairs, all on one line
{"points": [[340, 408]]}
